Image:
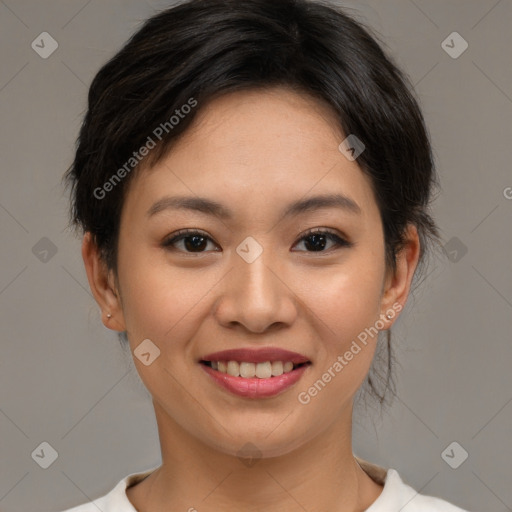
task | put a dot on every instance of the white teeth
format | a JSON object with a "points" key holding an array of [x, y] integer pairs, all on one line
{"points": [[277, 368], [233, 368], [247, 370], [250, 370], [264, 370]]}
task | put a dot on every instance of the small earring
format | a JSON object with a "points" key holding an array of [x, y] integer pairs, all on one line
{"points": [[388, 316], [109, 315]]}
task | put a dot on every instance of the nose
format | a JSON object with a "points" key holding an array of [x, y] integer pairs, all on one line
{"points": [[256, 296]]}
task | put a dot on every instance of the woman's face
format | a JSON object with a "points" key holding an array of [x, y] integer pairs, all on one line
{"points": [[258, 279]]}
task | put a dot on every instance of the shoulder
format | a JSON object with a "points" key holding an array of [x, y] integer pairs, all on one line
{"points": [[397, 495], [116, 500]]}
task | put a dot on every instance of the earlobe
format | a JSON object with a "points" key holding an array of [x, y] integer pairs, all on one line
{"points": [[102, 284], [398, 282]]}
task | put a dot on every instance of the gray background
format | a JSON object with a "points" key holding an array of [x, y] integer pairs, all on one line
{"points": [[64, 378]]}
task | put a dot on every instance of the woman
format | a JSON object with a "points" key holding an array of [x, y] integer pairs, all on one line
{"points": [[252, 179]]}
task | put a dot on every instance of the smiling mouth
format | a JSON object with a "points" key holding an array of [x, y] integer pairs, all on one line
{"points": [[248, 370]]}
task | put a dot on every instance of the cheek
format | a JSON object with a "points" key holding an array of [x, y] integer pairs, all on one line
{"points": [[346, 304], [347, 308], [162, 303], [348, 299]]}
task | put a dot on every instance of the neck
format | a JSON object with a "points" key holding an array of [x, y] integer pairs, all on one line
{"points": [[319, 474]]}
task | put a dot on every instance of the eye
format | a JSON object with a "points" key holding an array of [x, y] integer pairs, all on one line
{"points": [[317, 239], [193, 241]]}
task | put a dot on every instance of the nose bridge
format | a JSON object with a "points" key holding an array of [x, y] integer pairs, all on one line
{"points": [[255, 282], [255, 296]]}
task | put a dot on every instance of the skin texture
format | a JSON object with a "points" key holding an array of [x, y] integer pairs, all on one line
{"points": [[255, 152]]}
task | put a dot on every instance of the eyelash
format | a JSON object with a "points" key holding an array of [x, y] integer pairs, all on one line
{"points": [[339, 242]]}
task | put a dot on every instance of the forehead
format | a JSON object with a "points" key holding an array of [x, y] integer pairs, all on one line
{"points": [[274, 143], [279, 119]]}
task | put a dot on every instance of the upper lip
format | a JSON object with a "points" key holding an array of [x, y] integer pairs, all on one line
{"points": [[260, 355]]}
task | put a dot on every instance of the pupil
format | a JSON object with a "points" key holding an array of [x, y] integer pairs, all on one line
{"points": [[318, 242], [198, 242]]}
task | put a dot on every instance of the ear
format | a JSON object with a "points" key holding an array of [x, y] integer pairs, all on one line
{"points": [[103, 285], [398, 281]]}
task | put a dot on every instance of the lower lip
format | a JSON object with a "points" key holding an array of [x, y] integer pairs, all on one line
{"points": [[255, 387]]}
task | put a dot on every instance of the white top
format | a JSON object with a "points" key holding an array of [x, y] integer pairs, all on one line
{"points": [[396, 495]]}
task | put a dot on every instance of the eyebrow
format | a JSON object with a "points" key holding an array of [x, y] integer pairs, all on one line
{"points": [[210, 207]]}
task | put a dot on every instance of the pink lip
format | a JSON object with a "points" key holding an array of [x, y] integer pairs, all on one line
{"points": [[255, 387], [256, 355]]}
